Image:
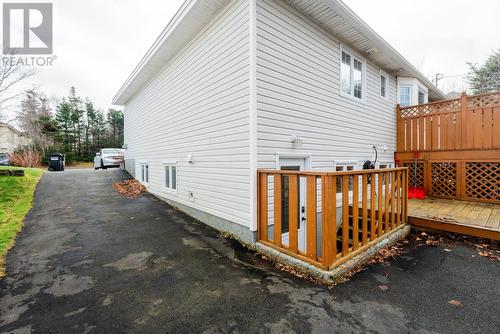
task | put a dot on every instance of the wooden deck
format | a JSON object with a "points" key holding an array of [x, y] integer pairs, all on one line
{"points": [[476, 219]]}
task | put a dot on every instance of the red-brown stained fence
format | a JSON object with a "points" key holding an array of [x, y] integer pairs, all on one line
{"points": [[470, 122], [453, 147], [344, 214]]}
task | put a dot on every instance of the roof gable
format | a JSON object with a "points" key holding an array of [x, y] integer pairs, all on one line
{"points": [[333, 15]]}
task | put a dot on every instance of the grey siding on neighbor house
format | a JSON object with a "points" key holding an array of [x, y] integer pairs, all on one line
{"points": [[298, 76], [199, 104], [10, 139]]}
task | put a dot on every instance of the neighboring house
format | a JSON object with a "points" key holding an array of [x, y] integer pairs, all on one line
{"points": [[10, 138], [230, 87]]}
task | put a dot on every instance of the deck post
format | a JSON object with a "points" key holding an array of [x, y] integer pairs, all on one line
{"points": [[262, 207], [463, 118], [329, 220], [399, 129]]}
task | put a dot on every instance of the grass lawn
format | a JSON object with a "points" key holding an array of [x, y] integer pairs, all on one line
{"points": [[80, 164], [16, 197]]}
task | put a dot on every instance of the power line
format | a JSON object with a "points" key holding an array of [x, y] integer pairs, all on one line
{"points": [[455, 76]]}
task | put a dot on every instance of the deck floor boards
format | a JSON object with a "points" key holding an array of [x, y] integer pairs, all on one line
{"points": [[483, 216]]}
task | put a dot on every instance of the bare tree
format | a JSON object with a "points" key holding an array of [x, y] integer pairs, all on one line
{"points": [[12, 74], [36, 120]]}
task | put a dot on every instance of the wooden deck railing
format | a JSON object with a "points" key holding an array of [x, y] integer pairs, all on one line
{"points": [[470, 122], [325, 218], [452, 147]]}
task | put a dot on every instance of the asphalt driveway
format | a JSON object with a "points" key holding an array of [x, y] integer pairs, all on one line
{"points": [[92, 261]]}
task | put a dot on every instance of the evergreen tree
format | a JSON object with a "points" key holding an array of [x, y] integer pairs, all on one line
{"points": [[75, 104], [77, 128], [115, 121], [486, 78], [65, 124]]}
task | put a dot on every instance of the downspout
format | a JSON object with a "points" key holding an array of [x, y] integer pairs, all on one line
{"points": [[252, 105]]}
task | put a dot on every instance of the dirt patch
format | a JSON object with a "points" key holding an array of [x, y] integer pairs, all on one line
{"points": [[129, 188]]}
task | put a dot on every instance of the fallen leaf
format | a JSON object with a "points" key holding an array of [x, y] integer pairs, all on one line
{"points": [[455, 302], [129, 188]]}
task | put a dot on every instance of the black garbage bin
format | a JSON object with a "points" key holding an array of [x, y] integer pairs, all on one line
{"points": [[56, 162]]}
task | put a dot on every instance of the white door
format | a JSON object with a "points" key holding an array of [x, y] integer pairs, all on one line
{"points": [[294, 164]]}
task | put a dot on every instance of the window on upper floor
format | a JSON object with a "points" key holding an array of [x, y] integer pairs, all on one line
{"points": [[352, 75], [404, 95], [422, 96], [384, 85]]}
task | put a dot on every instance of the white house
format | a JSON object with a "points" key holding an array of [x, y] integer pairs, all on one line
{"points": [[10, 138], [232, 86]]}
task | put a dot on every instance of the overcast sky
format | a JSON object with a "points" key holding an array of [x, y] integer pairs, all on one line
{"points": [[98, 42]]}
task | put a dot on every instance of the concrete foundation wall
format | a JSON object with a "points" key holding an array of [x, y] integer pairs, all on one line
{"points": [[241, 232], [130, 166]]}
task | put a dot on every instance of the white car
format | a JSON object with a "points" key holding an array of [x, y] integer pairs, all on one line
{"points": [[108, 157]]}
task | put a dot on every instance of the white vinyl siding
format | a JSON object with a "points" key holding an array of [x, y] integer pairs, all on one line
{"points": [[298, 93], [198, 104]]}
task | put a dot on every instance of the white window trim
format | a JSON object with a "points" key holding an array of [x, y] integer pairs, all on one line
{"points": [[387, 84], [306, 156], [170, 163], [426, 94], [389, 163], [353, 55], [143, 163], [357, 165], [409, 93], [354, 163]]}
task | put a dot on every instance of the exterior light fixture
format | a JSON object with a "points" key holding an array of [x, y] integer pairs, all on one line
{"points": [[297, 141]]}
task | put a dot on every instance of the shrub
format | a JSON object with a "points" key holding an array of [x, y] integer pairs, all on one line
{"points": [[26, 157]]}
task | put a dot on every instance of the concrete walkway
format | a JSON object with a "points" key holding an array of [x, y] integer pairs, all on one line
{"points": [[92, 261]]}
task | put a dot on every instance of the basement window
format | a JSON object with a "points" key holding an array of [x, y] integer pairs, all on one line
{"points": [[384, 165], [170, 170], [342, 167], [145, 173]]}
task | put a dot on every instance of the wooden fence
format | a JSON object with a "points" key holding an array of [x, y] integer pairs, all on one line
{"points": [[452, 147], [470, 122], [325, 218]]}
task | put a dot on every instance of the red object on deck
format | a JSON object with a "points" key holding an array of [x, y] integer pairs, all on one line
{"points": [[417, 193]]}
